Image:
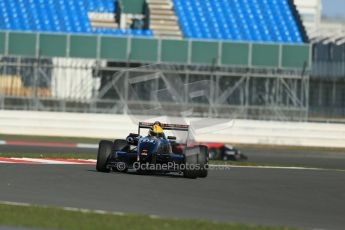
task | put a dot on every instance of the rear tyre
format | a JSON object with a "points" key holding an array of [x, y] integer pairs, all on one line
{"points": [[104, 151], [203, 161], [191, 161], [196, 160]]}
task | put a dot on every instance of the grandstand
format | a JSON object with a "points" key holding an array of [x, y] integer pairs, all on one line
{"points": [[265, 21], [258, 49], [63, 16], [243, 20]]}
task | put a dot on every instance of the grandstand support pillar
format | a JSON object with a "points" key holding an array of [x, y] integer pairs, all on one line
{"points": [[189, 57], [320, 93], [306, 91], [2, 101], [267, 94], [247, 94], [186, 88], [216, 92], [125, 107], [212, 98], [34, 86], [2, 98], [2, 94], [93, 100], [278, 91], [334, 92]]}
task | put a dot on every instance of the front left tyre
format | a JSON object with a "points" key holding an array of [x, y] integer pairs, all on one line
{"points": [[104, 151]]}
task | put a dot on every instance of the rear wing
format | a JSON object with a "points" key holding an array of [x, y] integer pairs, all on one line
{"points": [[148, 125]]}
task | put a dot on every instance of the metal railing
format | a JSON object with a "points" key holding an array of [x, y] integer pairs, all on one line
{"points": [[79, 85]]}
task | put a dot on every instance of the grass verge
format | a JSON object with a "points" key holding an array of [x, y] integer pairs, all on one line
{"points": [[49, 139], [51, 155], [56, 218]]}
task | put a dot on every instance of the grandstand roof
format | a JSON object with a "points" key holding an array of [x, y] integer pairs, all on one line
{"points": [[328, 32]]}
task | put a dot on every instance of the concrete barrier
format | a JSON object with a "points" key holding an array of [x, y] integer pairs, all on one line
{"points": [[117, 126]]}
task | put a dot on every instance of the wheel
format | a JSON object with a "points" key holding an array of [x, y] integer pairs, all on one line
{"points": [[191, 159], [104, 151], [203, 161], [196, 160]]}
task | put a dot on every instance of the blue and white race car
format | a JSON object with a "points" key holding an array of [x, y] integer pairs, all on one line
{"points": [[153, 153]]}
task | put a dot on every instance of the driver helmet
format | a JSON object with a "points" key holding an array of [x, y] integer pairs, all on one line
{"points": [[156, 130]]}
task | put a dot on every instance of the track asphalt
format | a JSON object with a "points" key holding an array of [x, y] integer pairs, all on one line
{"points": [[300, 198], [313, 199]]}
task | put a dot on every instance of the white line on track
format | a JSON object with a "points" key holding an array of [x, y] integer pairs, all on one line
{"points": [[87, 146], [276, 167], [263, 167], [83, 210], [43, 161], [46, 161], [62, 162]]}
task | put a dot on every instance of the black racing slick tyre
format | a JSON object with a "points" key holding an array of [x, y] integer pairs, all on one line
{"points": [[203, 161], [196, 162], [104, 150], [191, 161]]}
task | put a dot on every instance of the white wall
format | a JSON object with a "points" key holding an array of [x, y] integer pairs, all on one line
{"points": [[118, 126]]}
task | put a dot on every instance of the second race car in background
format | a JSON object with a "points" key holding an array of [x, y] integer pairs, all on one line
{"points": [[225, 152], [217, 151]]}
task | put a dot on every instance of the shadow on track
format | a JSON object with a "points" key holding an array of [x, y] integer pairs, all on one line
{"points": [[147, 174]]}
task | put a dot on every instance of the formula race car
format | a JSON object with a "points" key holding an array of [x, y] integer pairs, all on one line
{"points": [[153, 153], [217, 151], [225, 152]]}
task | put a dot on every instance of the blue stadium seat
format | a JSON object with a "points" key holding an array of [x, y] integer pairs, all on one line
{"points": [[62, 16], [242, 20]]}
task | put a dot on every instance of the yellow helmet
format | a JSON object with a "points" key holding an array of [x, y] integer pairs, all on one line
{"points": [[156, 130]]}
